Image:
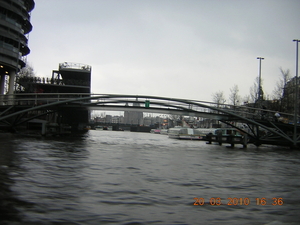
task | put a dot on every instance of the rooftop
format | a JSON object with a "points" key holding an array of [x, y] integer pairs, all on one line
{"points": [[74, 66]]}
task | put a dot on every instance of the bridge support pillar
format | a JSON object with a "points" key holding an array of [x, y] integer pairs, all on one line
{"points": [[12, 76], [245, 141], [11, 85], [44, 128], [2, 84]]}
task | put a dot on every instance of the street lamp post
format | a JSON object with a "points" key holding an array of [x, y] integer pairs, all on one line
{"points": [[296, 96], [259, 80]]}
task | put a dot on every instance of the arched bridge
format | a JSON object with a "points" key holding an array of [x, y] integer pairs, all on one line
{"points": [[259, 124]]}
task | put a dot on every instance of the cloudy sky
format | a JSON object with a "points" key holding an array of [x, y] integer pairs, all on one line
{"points": [[173, 48]]}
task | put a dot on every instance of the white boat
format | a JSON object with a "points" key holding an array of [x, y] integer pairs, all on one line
{"points": [[164, 131], [189, 133]]}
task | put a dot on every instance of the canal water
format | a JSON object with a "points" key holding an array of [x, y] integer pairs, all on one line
{"points": [[108, 177]]}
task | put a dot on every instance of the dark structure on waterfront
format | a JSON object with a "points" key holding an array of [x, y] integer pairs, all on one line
{"points": [[14, 29], [70, 78]]}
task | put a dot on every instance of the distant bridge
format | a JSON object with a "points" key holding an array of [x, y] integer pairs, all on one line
{"points": [[259, 124]]}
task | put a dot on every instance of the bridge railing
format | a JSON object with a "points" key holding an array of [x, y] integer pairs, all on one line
{"points": [[260, 114], [33, 99], [252, 112]]}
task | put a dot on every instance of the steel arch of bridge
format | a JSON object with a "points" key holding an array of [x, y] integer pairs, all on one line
{"points": [[116, 102]]}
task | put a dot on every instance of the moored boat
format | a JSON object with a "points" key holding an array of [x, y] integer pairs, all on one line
{"points": [[164, 131], [155, 131], [189, 133], [99, 128], [227, 132]]}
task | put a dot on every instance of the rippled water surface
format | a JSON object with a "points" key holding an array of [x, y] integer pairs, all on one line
{"points": [[107, 177]]}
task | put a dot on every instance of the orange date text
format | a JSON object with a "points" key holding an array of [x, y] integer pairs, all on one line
{"points": [[238, 201]]}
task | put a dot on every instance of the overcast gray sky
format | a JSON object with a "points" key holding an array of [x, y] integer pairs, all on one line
{"points": [[173, 48]]}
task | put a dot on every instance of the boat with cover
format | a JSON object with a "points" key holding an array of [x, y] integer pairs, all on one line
{"points": [[227, 132], [189, 133]]}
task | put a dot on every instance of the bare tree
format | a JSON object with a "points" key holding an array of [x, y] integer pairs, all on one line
{"points": [[246, 99], [280, 84], [26, 74], [27, 71], [218, 98], [175, 119], [234, 96], [254, 90]]}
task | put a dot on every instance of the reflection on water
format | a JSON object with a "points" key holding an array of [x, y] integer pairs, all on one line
{"points": [[108, 177]]}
